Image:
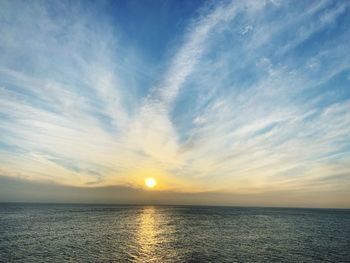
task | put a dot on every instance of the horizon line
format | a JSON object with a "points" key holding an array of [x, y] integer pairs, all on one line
{"points": [[170, 204]]}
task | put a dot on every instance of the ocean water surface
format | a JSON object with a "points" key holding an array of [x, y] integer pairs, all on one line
{"points": [[118, 233]]}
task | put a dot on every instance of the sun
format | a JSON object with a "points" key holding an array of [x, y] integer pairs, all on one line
{"points": [[150, 182]]}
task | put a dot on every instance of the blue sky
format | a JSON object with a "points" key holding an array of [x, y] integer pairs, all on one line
{"points": [[241, 98]]}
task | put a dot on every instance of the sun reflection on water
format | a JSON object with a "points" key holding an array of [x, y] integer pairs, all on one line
{"points": [[147, 233]]}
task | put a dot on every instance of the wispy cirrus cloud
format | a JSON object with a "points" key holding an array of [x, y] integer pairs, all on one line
{"points": [[254, 99]]}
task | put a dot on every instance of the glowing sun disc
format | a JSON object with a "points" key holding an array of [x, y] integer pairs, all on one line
{"points": [[150, 182]]}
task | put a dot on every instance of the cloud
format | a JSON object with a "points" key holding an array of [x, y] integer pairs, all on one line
{"points": [[252, 101]]}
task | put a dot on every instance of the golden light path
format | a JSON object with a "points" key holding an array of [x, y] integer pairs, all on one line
{"points": [[150, 182]]}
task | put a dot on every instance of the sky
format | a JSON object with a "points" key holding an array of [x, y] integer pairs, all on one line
{"points": [[222, 102]]}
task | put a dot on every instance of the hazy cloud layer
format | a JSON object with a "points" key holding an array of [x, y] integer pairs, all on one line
{"points": [[18, 190]]}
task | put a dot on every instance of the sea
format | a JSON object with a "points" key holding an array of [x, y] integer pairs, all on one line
{"points": [[140, 233]]}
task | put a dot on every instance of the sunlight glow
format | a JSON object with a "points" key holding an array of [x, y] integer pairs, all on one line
{"points": [[150, 182]]}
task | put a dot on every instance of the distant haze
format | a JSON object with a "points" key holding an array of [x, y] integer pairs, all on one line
{"points": [[14, 190]]}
